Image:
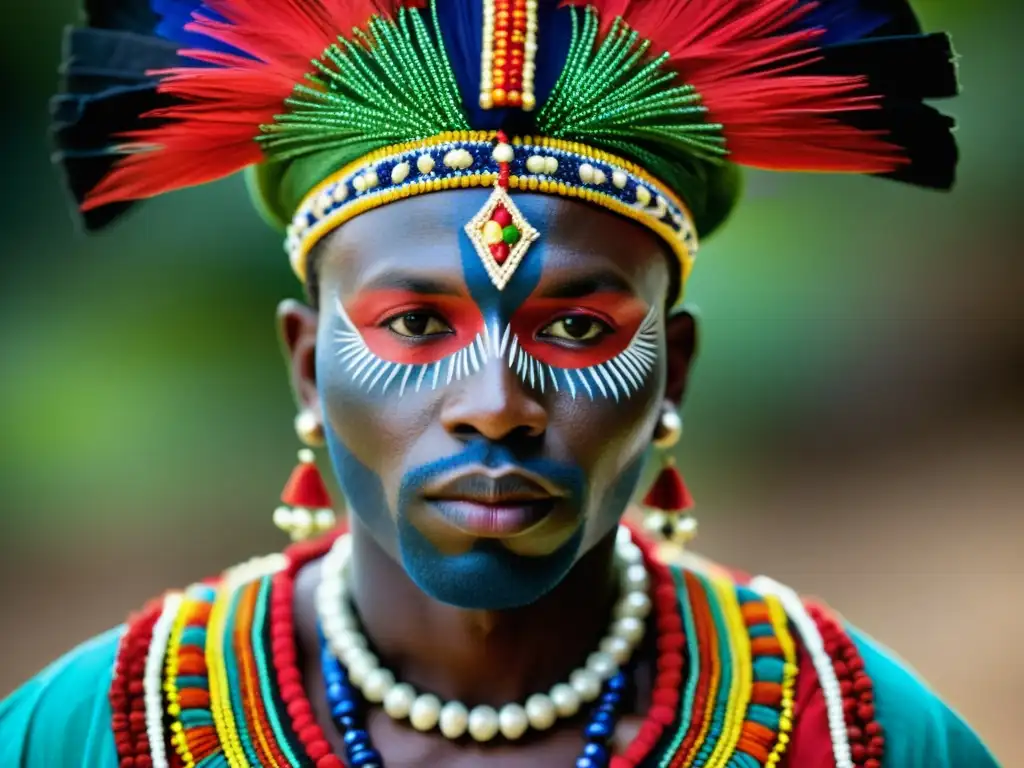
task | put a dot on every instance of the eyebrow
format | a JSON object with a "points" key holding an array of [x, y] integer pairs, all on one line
{"points": [[412, 284], [576, 287]]}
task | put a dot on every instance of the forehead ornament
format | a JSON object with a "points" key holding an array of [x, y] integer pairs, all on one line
{"points": [[499, 232]]}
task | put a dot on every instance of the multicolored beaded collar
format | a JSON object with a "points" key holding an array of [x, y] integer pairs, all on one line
{"points": [[209, 678]]}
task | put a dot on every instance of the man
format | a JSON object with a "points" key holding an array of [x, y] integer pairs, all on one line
{"points": [[495, 208]]}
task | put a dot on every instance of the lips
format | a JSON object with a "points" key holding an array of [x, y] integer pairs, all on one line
{"points": [[493, 503]]}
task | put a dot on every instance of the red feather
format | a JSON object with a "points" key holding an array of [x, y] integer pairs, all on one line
{"points": [[212, 133], [742, 57]]}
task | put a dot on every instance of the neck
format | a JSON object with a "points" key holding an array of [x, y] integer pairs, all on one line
{"points": [[481, 657]]}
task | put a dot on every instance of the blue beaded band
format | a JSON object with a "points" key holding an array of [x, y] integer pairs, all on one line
{"points": [[454, 161]]}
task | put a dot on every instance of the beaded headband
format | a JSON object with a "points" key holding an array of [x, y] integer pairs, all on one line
{"points": [[474, 159], [634, 106]]}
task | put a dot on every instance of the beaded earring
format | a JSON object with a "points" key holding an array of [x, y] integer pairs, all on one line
{"points": [[306, 510], [668, 500]]}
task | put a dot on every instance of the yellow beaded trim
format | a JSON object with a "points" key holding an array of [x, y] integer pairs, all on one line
{"points": [[780, 623], [311, 236], [220, 697], [742, 675], [178, 740]]}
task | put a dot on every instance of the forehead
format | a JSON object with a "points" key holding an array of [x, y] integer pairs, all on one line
{"points": [[423, 237]]}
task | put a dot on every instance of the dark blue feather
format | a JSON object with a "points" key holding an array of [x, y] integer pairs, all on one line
{"points": [[847, 20], [175, 14]]}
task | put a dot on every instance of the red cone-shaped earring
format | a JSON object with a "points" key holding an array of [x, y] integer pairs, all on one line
{"points": [[668, 501], [666, 505], [307, 508]]}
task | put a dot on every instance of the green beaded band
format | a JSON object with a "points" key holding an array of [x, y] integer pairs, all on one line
{"points": [[466, 159]]}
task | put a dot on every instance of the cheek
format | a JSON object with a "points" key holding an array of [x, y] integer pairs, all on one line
{"points": [[373, 428]]}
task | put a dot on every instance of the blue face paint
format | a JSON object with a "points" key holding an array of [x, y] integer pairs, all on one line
{"points": [[488, 576]]}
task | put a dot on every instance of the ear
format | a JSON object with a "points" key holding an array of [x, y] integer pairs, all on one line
{"points": [[681, 343], [297, 326]]}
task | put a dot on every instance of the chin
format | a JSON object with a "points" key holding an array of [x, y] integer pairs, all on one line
{"points": [[486, 578]]}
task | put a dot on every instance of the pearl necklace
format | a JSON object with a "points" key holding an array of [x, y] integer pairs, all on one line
{"points": [[425, 711]]}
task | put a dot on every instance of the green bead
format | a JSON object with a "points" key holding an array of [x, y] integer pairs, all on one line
{"points": [[510, 234]]}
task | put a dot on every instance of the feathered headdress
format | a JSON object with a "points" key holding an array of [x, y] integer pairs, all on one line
{"points": [[646, 107]]}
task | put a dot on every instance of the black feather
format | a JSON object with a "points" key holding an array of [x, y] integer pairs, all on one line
{"points": [[909, 66], [105, 90], [125, 15]]}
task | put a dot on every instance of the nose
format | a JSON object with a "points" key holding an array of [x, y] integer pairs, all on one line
{"points": [[494, 404]]}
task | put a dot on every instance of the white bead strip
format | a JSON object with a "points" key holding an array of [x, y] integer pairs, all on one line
{"points": [[152, 681], [426, 711], [822, 662]]}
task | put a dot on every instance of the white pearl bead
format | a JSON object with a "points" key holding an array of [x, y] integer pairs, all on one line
{"points": [[599, 177], [617, 647], [643, 195], [619, 179], [425, 163], [376, 685], [586, 173], [454, 720], [324, 520], [283, 517], [503, 153], [486, 102], [540, 711], [398, 701], [629, 628], [623, 537], [340, 191], [359, 183], [586, 684], [512, 721], [399, 173], [636, 604], [565, 699], [349, 641], [602, 664], [371, 178], [635, 578], [361, 664], [483, 723], [425, 712], [550, 165], [535, 164], [302, 522]]}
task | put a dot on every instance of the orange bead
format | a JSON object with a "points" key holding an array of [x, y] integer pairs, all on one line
{"points": [[499, 96], [499, 61]]}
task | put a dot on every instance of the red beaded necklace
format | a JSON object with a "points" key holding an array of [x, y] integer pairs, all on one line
{"points": [[668, 668]]}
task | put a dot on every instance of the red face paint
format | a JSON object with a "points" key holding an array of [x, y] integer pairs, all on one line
{"points": [[372, 311], [621, 313]]}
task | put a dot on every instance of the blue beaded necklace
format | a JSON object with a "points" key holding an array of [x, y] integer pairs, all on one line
{"points": [[348, 714]]}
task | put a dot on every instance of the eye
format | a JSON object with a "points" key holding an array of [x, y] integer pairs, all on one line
{"points": [[578, 328], [416, 325]]}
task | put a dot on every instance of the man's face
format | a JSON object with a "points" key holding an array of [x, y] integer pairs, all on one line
{"points": [[488, 438]]}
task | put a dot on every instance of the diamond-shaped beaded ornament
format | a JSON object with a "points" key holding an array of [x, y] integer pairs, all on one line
{"points": [[501, 235], [499, 231]]}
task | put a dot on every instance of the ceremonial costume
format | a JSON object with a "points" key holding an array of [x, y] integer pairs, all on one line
{"points": [[642, 109]]}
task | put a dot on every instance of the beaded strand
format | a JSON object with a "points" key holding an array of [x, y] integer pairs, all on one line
{"points": [[152, 687], [126, 696], [867, 744]]}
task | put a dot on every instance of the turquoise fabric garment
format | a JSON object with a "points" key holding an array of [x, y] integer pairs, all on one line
{"points": [[61, 717], [920, 730]]}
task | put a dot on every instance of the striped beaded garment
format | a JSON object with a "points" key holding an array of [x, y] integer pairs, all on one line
{"points": [[209, 677]]}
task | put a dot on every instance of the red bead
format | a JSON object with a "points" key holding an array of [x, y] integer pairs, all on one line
{"points": [[671, 660], [289, 676], [872, 763], [143, 761], [502, 216], [310, 733], [858, 752], [866, 712], [318, 749], [845, 688], [500, 252], [669, 623], [671, 678], [872, 729], [330, 761], [302, 722], [665, 697], [662, 714], [299, 707], [671, 641]]}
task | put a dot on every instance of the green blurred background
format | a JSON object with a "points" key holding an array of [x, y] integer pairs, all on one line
{"points": [[855, 425]]}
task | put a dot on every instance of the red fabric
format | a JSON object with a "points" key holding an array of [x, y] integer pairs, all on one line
{"points": [[811, 742]]}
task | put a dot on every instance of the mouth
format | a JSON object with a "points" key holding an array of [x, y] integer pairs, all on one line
{"points": [[494, 503]]}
